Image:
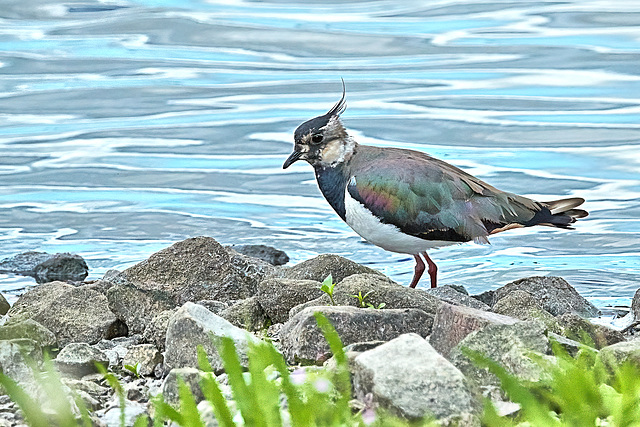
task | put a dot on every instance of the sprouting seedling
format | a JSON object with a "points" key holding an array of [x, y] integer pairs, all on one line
{"points": [[361, 299], [379, 307], [327, 287], [133, 369]]}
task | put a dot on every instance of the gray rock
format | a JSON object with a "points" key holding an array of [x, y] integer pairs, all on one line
{"points": [[62, 267], [4, 305], [508, 344], [145, 357], [24, 263], [156, 330], [16, 356], [194, 325], [320, 267], [265, 253], [190, 376], [246, 314], [200, 268], [278, 295], [623, 352], [71, 313], [570, 346], [216, 307], [409, 378], [132, 410], [524, 306], [380, 290], [579, 329], [303, 342], [80, 359], [452, 295], [136, 307], [30, 329], [635, 305], [452, 323], [554, 294]]}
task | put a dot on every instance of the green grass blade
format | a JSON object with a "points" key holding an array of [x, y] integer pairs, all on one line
{"points": [[299, 413], [188, 406], [213, 394], [266, 392], [31, 409]]}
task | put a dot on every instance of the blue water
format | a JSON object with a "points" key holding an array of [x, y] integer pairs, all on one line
{"points": [[127, 125]]}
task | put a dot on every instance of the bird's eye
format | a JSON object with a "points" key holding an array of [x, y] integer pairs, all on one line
{"points": [[317, 138]]}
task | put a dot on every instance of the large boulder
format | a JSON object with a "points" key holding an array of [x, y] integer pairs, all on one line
{"points": [[136, 306], [452, 323], [278, 295], [524, 306], [378, 290], [16, 358], [580, 329], [47, 267], [623, 352], [246, 314], [265, 253], [409, 378], [320, 267], [193, 325], [303, 342], [555, 295], [453, 295], [30, 329], [72, 313], [199, 268], [80, 359]]}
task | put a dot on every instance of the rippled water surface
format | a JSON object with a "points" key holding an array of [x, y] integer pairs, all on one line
{"points": [[127, 125]]}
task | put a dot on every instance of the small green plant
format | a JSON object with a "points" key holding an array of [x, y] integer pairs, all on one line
{"points": [[364, 304], [327, 287], [133, 369]]}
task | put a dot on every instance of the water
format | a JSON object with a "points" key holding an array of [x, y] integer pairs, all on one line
{"points": [[127, 125]]}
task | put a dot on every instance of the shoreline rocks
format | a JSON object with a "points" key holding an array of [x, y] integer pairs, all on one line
{"points": [[404, 345]]}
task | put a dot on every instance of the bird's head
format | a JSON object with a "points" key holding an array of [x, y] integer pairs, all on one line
{"points": [[323, 141]]}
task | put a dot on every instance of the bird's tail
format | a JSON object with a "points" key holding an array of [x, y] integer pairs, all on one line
{"points": [[560, 213]]}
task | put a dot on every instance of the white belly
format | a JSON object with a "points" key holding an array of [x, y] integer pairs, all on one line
{"points": [[387, 236]]}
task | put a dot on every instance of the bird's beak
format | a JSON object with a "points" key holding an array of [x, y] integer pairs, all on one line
{"points": [[294, 157]]}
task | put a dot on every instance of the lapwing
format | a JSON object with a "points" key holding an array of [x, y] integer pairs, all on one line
{"points": [[408, 202]]}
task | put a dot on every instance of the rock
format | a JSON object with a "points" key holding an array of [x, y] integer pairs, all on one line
{"points": [[4, 305], [62, 267], [635, 305], [80, 359], [24, 263], [216, 307], [277, 296], [265, 253], [247, 314], [156, 330], [30, 329], [136, 307], [615, 355], [303, 342], [554, 294], [72, 313], [132, 410], [452, 323], [117, 348], [200, 268], [194, 325], [380, 289], [582, 330], [320, 267], [452, 295], [144, 357], [570, 346], [16, 357], [191, 378], [508, 344], [522, 305], [409, 378]]}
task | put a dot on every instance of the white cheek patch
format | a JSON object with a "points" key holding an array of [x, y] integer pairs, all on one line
{"points": [[333, 152]]}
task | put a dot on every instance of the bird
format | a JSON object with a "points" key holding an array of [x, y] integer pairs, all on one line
{"points": [[406, 201]]}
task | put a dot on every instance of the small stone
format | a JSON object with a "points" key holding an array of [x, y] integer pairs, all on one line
{"points": [[79, 359], [216, 307], [4, 305], [303, 342], [452, 323], [156, 330], [265, 253], [409, 378], [623, 352], [635, 305], [144, 357], [320, 267], [132, 410]]}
